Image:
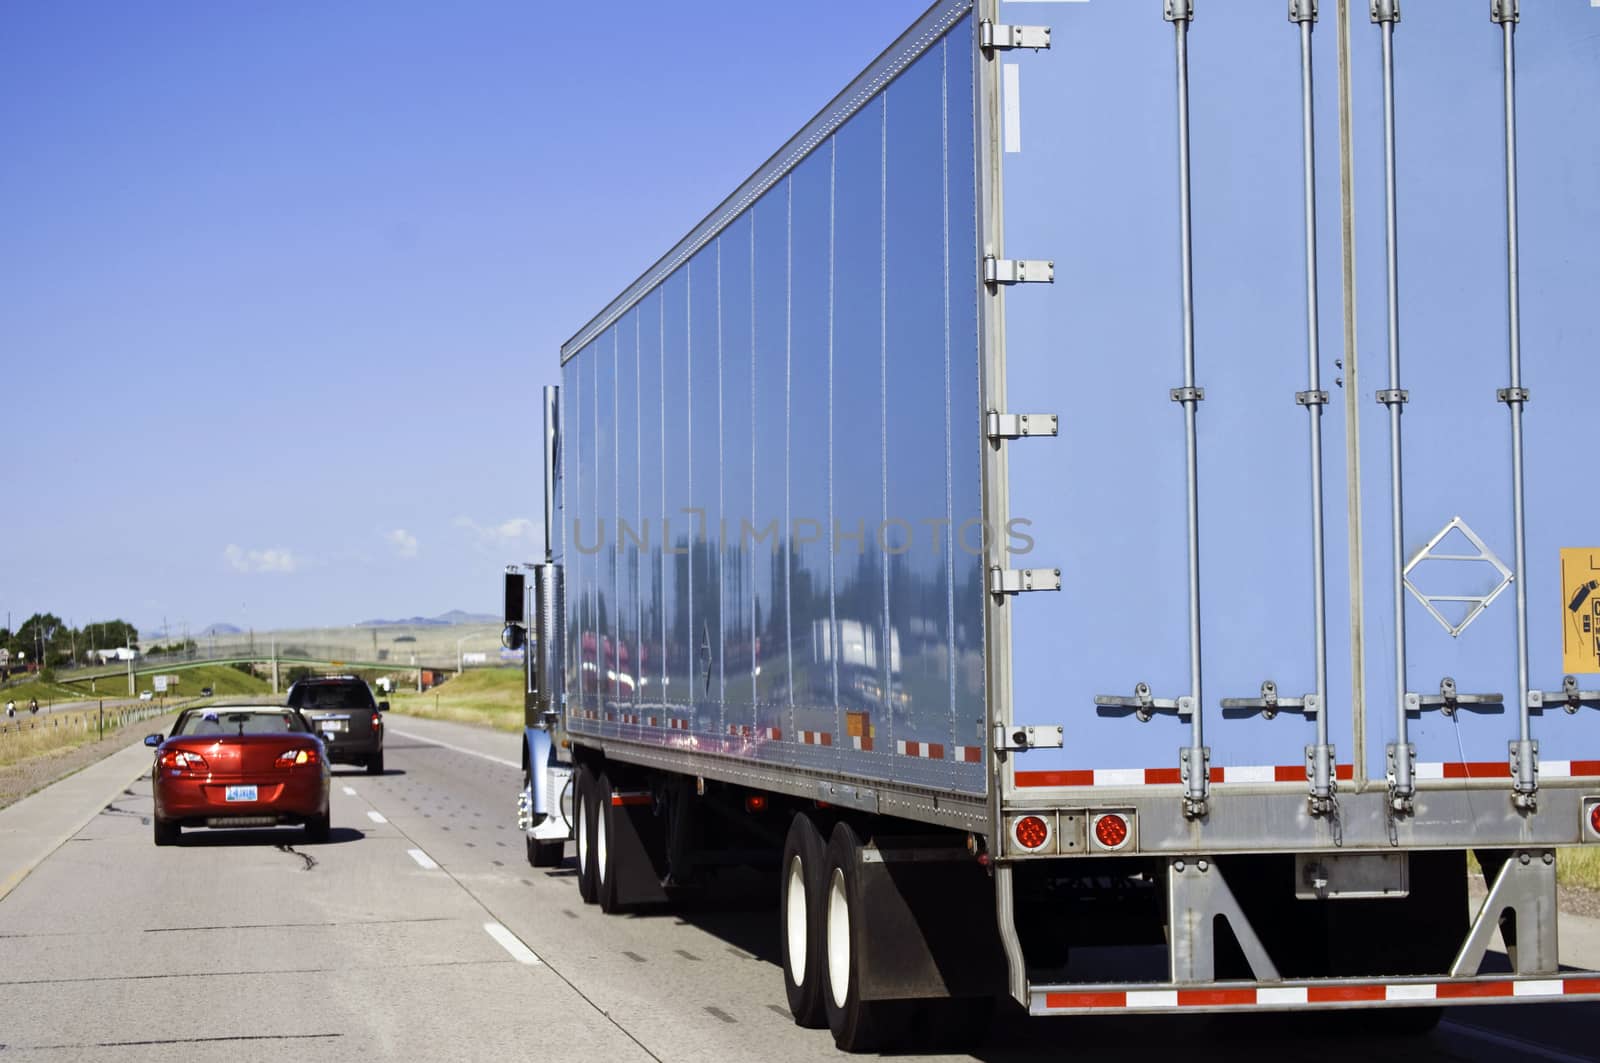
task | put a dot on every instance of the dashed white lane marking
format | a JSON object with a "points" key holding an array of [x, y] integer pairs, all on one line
{"points": [[423, 860], [512, 944], [455, 749], [375, 816], [348, 791]]}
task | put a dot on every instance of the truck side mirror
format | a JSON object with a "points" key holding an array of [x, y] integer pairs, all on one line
{"points": [[516, 599], [515, 633]]}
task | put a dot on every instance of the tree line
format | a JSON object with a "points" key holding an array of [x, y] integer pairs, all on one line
{"points": [[44, 640]]}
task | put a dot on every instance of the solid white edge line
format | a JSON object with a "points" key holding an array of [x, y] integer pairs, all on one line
{"points": [[453, 748], [376, 816], [512, 944], [348, 791], [423, 860]]}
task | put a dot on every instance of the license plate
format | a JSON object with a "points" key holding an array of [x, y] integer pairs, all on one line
{"points": [[329, 726], [240, 793]]}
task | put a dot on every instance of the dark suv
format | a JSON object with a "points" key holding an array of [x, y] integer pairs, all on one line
{"points": [[341, 709]]}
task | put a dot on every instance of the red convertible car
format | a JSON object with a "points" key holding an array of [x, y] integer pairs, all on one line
{"points": [[239, 766]]}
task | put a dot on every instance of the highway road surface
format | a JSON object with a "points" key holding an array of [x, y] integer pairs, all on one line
{"points": [[420, 932]]}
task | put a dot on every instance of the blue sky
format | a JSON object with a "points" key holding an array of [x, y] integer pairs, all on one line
{"points": [[282, 281]]}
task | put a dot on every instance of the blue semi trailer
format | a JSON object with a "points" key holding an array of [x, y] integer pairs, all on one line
{"points": [[1120, 471]]}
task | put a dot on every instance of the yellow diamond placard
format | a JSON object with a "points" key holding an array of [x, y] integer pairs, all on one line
{"points": [[1580, 609]]}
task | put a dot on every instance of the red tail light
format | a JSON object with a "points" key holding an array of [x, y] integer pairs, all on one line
{"points": [[1031, 832], [1111, 830], [290, 757], [755, 802], [377, 721], [183, 760], [1594, 818]]}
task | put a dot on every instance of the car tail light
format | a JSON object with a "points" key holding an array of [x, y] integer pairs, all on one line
{"points": [[1031, 832], [1111, 830], [755, 802], [183, 760], [377, 721], [290, 757]]}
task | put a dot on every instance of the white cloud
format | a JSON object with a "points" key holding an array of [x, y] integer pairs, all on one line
{"points": [[272, 559], [514, 532], [404, 543]]}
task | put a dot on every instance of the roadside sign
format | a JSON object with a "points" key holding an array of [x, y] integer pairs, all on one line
{"points": [[161, 684]]}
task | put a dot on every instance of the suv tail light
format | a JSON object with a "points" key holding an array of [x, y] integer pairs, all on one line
{"points": [[377, 721], [183, 760], [290, 757]]}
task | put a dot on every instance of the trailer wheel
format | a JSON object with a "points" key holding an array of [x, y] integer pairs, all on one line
{"points": [[583, 809], [857, 1025], [608, 890], [803, 886]]}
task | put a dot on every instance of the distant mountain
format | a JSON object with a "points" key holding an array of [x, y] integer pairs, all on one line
{"points": [[218, 629], [450, 619]]}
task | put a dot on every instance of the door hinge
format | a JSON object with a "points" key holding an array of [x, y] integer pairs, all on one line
{"points": [[1509, 395], [1018, 270], [1020, 425], [997, 38], [1004, 581], [1394, 396]]}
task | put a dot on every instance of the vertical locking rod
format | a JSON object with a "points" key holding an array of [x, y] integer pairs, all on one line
{"points": [[1196, 776], [1403, 785], [1525, 784], [1320, 762]]}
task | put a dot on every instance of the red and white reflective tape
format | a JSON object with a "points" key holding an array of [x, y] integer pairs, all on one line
{"points": [[926, 750], [1172, 999], [969, 754], [1170, 776], [862, 742], [624, 798], [629, 717], [816, 738], [678, 725], [1501, 769], [1284, 773], [744, 730]]}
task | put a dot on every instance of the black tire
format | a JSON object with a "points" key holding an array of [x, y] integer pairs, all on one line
{"points": [[857, 1025], [166, 832], [375, 763], [607, 862], [800, 916], [584, 809], [317, 829]]}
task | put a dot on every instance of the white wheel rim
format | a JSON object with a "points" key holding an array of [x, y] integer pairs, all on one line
{"points": [[600, 842], [583, 840], [838, 939], [794, 919]]}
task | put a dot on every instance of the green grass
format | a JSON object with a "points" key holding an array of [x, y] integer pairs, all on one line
{"points": [[489, 697], [45, 692], [222, 679]]}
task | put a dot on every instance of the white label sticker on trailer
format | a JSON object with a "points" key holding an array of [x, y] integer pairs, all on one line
{"points": [[1010, 94]]}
